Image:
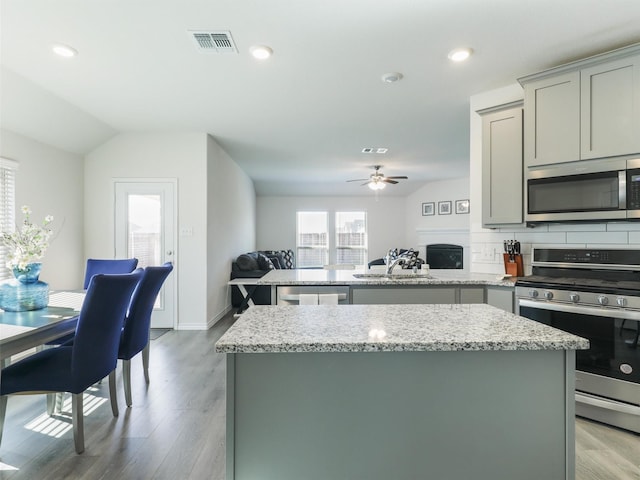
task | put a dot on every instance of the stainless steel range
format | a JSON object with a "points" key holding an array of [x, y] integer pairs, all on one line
{"points": [[595, 294]]}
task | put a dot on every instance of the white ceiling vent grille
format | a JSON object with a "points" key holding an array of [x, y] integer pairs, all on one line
{"points": [[213, 42]]}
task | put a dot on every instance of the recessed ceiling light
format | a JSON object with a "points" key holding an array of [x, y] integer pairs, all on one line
{"points": [[460, 54], [261, 52], [391, 77], [64, 50]]}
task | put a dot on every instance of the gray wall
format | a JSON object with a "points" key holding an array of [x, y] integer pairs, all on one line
{"points": [[50, 181], [204, 205], [276, 220]]}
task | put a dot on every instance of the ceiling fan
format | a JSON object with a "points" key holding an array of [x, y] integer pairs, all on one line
{"points": [[377, 180]]}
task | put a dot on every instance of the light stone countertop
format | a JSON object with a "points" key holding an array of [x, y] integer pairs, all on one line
{"points": [[389, 328], [345, 277]]}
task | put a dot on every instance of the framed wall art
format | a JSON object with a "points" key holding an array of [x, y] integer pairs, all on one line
{"points": [[428, 208], [462, 206], [444, 208]]}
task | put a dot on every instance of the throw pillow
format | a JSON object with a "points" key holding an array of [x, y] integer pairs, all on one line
{"points": [[246, 263], [264, 263], [412, 258], [289, 260], [275, 259]]}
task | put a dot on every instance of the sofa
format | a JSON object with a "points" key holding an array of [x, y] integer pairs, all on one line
{"points": [[413, 260], [256, 265]]}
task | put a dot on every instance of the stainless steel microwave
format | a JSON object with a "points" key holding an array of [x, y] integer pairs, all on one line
{"points": [[588, 190]]}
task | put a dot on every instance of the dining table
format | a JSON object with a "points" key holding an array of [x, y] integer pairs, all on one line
{"points": [[21, 331]]}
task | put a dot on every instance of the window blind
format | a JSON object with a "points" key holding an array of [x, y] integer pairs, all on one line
{"points": [[8, 170]]}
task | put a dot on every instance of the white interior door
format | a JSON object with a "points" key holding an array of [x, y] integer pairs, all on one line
{"points": [[145, 229]]}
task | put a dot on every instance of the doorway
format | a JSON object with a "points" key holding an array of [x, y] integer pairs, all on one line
{"points": [[145, 229]]}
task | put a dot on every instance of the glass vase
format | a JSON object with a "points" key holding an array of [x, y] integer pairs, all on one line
{"points": [[28, 274], [25, 292]]}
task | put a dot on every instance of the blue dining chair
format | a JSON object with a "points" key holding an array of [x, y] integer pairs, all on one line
{"points": [[135, 333], [93, 355], [95, 266], [98, 265]]}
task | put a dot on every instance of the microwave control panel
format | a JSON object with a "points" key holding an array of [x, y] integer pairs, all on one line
{"points": [[633, 189]]}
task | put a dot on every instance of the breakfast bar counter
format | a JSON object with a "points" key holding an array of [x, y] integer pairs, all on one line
{"points": [[398, 391], [368, 277]]}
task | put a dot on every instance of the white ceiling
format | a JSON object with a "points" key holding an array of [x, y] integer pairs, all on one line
{"points": [[298, 122]]}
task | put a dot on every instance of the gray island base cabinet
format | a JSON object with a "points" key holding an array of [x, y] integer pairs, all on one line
{"points": [[356, 398]]}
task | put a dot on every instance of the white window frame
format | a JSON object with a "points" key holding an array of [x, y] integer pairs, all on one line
{"points": [[331, 248], [336, 247], [299, 246], [8, 169]]}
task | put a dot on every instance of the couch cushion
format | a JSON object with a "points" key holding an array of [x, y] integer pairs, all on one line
{"points": [[246, 263]]}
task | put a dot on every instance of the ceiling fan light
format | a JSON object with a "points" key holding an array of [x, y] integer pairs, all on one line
{"points": [[376, 185]]}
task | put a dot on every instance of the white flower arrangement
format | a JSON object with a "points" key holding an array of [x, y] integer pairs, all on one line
{"points": [[28, 243]]}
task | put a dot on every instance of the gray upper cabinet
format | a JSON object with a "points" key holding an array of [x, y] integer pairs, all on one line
{"points": [[610, 101], [583, 110], [552, 120], [502, 167]]}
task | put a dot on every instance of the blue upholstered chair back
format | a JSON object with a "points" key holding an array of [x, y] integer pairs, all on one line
{"points": [[95, 347], [95, 265], [135, 334]]}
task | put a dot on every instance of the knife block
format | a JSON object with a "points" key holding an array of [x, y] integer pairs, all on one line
{"points": [[515, 267]]}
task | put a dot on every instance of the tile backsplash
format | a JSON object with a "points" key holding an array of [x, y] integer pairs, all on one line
{"points": [[487, 245]]}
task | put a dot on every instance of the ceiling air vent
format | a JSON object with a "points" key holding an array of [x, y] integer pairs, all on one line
{"points": [[213, 42]]}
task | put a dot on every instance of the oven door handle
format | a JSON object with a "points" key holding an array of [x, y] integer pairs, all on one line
{"points": [[607, 404], [580, 309]]}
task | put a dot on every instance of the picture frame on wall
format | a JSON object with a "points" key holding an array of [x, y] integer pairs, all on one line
{"points": [[462, 206], [444, 208], [428, 208]]}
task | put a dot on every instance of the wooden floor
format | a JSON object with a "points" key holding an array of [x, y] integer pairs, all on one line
{"points": [[176, 427]]}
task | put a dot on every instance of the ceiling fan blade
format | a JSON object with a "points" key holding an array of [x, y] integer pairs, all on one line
{"points": [[366, 183], [387, 180], [358, 180], [403, 177]]}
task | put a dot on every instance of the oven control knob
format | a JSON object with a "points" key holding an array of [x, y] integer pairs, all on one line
{"points": [[533, 293], [548, 295], [602, 300], [574, 297], [621, 301]]}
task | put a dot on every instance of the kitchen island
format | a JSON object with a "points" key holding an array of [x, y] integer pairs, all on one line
{"points": [[398, 391], [403, 286]]}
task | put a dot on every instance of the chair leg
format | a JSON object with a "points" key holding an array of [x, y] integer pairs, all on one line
{"points": [[59, 402], [51, 403], [3, 411], [126, 380], [77, 416], [112, 393], [145, 361]]}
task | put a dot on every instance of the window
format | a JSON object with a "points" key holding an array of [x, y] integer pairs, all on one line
{"points": [[351, 238], [312, 248], [7, 208], [322, 242]]}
